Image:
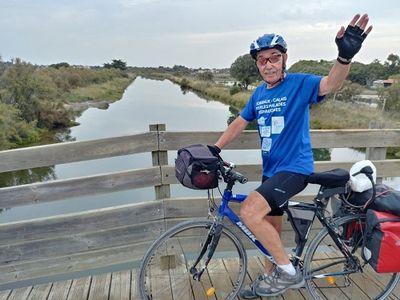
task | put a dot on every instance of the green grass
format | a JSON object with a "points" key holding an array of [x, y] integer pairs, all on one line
{"points": [[110, 91], [207, 89], [340, 115]]}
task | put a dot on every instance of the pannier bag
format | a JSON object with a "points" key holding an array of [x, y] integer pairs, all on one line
{"points": [[353, 233], [197, 168], [382, 241], [387, 199]]}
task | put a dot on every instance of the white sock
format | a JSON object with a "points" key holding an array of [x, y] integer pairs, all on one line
{"points": [[289, 269]]}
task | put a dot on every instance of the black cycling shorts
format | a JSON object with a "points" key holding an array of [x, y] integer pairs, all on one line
{"points": [[279, 188]]}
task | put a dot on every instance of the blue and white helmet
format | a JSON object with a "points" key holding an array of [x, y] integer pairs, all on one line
{"points": [[268, 41]]}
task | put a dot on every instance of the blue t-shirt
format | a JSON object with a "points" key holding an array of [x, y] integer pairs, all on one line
{"points": [[282, 114]]}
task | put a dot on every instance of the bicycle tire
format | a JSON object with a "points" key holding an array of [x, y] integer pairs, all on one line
{"points": [[165, 270], [365, 284]]}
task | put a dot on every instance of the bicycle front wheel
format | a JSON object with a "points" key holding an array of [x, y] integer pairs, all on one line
{"points": [[165, 269], [330, 275]]}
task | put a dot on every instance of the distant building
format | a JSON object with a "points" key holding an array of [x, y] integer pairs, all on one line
{"points": [[383, 83]]}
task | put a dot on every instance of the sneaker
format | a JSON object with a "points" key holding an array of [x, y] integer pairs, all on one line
{"points": [[248, 291], [278, 282]]}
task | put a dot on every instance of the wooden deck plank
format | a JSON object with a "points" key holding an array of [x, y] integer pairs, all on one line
{"points": [[219, 278], [198, 288], [380, 280], [60, 290], [232, 266], [254, 269], [330, 293], [100, 287], [120, 285], [134, 283], [160, 279], [180, 279], [40, 292], [20, 294], [359, 289], [370, 285], [5, 294], [248, 279], [80, 289]]}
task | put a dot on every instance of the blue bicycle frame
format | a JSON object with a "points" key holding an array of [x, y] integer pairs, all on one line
{"points": [[225, 211]]}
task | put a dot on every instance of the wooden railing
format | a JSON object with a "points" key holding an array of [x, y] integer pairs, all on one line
{"points": [[73, 242]]}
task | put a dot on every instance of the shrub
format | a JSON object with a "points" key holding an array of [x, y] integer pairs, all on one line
{"points": [[185, 83], [234, 90]]}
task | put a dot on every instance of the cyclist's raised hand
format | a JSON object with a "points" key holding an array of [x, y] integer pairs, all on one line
{"points": [[349, 41]]}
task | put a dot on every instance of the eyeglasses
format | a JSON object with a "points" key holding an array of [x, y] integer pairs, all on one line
{"points": [[262, 61]]}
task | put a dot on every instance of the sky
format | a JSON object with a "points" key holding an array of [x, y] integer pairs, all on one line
{"points": [[193, 33]]}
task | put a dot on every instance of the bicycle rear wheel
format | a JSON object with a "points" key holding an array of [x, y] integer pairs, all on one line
{"points": [[323, 257], [165, 269]]}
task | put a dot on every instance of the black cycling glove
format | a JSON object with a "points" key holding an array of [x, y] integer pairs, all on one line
{"points": [[350, 43]]}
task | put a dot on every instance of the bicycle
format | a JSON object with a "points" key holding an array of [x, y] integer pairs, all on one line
{"points": [[202, 259]]}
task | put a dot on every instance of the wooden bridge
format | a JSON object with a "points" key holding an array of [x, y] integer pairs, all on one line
{"points": [[36, 249], [121, 285]]}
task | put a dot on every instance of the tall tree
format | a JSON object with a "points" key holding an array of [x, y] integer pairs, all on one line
{"points": [[180, 70], [393, 64], [117, 64], [245, 70]]}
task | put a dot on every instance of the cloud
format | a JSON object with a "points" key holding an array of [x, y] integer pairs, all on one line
{"points": [[133, 3], [195, 33]]}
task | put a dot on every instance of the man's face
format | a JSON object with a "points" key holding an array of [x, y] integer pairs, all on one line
{"points": [[269, 63]]}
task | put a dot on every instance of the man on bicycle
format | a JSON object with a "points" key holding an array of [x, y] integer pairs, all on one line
{"points": [[281, 108]]}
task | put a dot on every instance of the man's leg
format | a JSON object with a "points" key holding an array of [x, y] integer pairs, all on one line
{"points": [[248, 291], [276, 222], [253, 212], [272, 195]]}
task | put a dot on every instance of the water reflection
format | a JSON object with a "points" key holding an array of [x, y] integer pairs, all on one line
{"points": [[144, 102], [322, 154], [27, 176], [185, 89]]}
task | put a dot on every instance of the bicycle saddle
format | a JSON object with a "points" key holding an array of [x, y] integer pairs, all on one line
{"points": [[331, 179]]}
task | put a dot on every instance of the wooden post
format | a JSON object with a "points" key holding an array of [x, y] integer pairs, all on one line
{"points": [[376, 153], [160, 158]]}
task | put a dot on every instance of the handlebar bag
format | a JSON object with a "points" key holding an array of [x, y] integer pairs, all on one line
{"points": [[196, 167], [382, 241]]}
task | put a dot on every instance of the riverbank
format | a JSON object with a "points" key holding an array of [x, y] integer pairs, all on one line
{"points": [[39, 100], [80, 99], [97, 95], [205, 89], [330, 114]]}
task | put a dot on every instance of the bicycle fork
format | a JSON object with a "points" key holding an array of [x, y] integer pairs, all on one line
{"points": [[210, 244]]}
